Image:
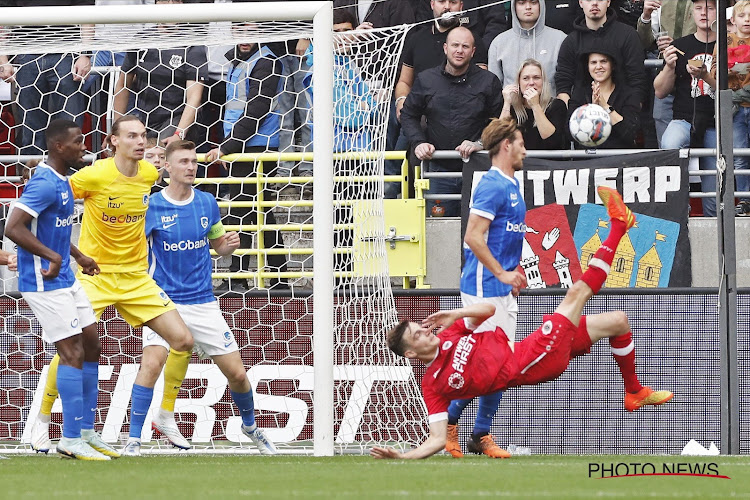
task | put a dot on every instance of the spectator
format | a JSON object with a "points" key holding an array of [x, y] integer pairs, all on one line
{"points": [[599, 30], [541, 118], [46, 81], [673, 20], [529, 38], [739, 83], [355, 108], [621, 100], [379, 13], [354, 104], [562, 14], [692, 124], [458, 99], [483, 18], [423, 49], [251, 125], [168, 86]]}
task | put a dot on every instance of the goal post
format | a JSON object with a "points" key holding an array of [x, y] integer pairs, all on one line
{"points": [[360, 393]]}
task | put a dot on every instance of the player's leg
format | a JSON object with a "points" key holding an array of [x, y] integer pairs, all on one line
{"points": [[214, 337], [40, 441], [456, 408], [152, 362], [505, 317], [58, 315], [143, 302], [621, 219], [92, 349], [481, 441], [242, 395], [170, 327], [174, 373], [614, 326]]}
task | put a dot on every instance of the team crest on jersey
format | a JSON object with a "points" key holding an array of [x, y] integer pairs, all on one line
{"points": [[175, 61], [64, 196], [547, 327], [456, 380], [204, 222], [145, 199], [447, 345]]}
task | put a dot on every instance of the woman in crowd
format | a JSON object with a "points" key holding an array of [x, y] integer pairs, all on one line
{"points": [[541, 117], [602, 87]]}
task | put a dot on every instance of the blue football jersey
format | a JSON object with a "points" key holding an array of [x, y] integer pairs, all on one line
{"points": [[497, 197], [179, 258], [48, 198]]}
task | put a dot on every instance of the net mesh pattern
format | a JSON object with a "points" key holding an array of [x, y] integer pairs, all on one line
{"points": [[264, 196]]}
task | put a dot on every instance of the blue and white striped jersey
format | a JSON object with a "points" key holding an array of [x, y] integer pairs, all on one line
{"points": [[48, 198], [178, 235], [497, 197]]}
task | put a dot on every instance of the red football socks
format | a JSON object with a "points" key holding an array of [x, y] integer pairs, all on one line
{"points": [[599, 265], [623, 350]]}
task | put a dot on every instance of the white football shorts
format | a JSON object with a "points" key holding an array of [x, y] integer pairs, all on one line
{"points": [[506, 313], [62, 313], [210, 330]]}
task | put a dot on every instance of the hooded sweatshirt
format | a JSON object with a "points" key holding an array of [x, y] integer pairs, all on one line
{"points": [[614, 38], [513, 47]]}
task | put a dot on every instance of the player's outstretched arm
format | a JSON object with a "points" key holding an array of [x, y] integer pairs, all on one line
{"points": [[226, 244], [441, 320], [88, 265], [17, 230], [433, 444]]}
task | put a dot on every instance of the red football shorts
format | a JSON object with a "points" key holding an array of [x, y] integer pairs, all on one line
{"points": [[544, 355]]}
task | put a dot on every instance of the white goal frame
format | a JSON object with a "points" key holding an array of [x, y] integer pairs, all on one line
{"points": [[321, 13]]}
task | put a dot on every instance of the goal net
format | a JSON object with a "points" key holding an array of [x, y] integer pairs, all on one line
{"points": [[308, 294]]}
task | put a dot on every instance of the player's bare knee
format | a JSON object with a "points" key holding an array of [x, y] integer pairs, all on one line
{"points": [[184, 343], [237, 378], [620, 323], [92, 347], [71, 354], [151, 367]]}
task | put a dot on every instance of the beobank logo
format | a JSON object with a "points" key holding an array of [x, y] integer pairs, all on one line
{"points": [[122, 218], [515, 228]]}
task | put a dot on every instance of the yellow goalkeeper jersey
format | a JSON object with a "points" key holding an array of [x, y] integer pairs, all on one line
{"points": [[114, 218]]}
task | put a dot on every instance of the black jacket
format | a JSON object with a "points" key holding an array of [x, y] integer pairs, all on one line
{"points": [[613, 38], [381, 14], [561, 14], [624, 100], [456, 108]]}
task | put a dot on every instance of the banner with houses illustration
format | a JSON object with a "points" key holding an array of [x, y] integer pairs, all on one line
{"points": [[566, 221]]}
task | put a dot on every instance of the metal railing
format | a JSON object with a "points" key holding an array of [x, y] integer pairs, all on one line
{"points": [[583, 154]]}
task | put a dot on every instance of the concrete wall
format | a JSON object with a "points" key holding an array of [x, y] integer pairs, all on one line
{"points": [[444, 252]]}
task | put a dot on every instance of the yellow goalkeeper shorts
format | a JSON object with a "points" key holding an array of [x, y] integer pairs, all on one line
{"points": [[135, 295]]}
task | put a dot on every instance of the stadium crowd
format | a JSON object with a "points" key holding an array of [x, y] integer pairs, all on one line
{"points": [[534, 60]]}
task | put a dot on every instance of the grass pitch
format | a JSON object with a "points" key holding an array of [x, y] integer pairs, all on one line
{"points": [[217, 477]]}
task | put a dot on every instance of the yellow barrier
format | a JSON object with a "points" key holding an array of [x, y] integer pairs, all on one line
{"points": [[260, 203]]}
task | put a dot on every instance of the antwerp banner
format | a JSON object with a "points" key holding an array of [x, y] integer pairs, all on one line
{"points": [[567, 221]]}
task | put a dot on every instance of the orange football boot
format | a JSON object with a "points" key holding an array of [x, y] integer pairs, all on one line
{"points": [[646, 396], [487, 446], [452, 445], [616, 208]]}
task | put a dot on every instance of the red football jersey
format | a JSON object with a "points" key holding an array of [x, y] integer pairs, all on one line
{"points": [[468, 364]]}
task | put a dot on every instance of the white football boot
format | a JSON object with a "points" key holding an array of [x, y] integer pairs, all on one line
{"points": [[168, 428], [259, 439], [78, 449]]}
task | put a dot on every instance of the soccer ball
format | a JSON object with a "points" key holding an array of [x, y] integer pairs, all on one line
{"points": [[590, 125]]}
